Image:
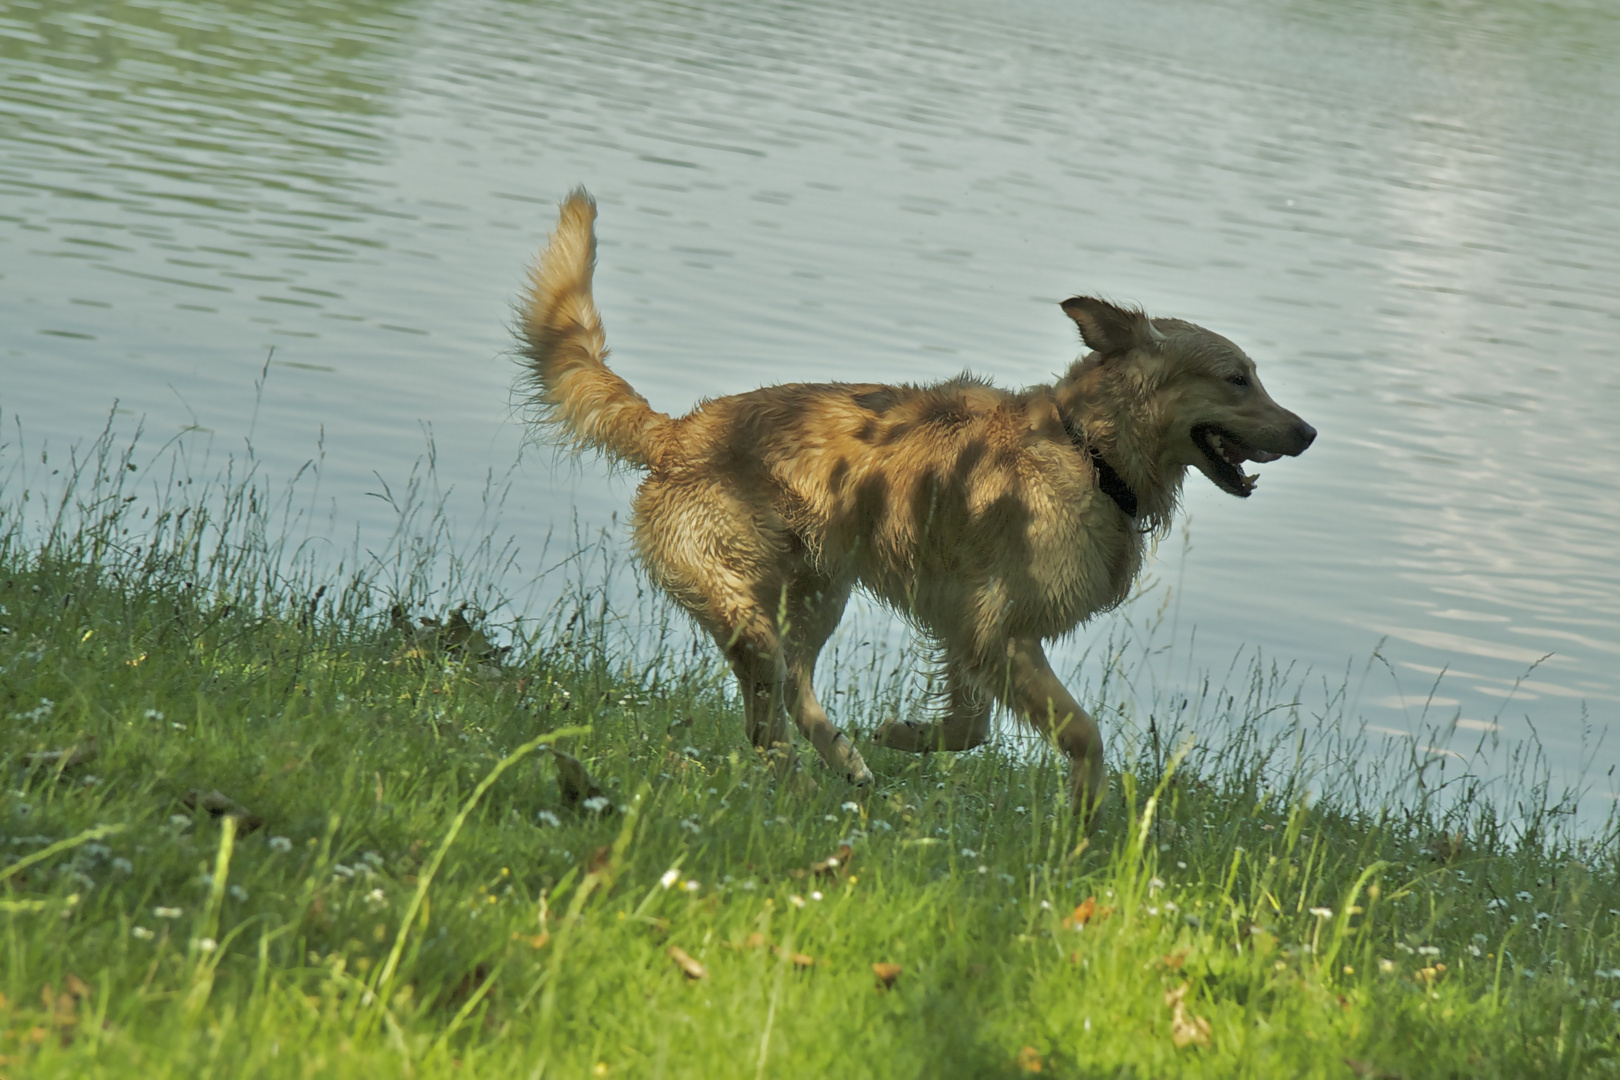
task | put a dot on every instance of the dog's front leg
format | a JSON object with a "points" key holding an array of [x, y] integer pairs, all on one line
{"points": [[833, 745], [1034, 692]]}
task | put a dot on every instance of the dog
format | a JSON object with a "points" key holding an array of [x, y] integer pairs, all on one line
{"points": [[992, 520]]}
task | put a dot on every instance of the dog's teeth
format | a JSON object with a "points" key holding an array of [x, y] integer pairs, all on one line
{"points": [[1253, 479]]}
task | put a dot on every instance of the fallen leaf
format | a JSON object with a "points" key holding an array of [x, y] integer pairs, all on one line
{"points": [[600, 859], [1081, 914], [468, 985], [77, 987], [689, 967], [1185, 1028], [219, 805], [574, 780], [1029, 1059], [533, 941], [1428, 975], [1173, 961], [63, 759], [833, 865], [1085, 912], [456, 637], [756, 940], [887, 974], [61, 1008]]}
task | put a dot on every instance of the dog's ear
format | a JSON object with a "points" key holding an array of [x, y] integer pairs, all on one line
{"points": [[1109, 329]]}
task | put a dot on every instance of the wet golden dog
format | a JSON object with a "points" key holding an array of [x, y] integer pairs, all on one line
{"points": [[992, 520]]}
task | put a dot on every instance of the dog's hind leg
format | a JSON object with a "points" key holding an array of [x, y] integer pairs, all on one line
{"points": [[1032, 690], [761, 675], [963, 724]]}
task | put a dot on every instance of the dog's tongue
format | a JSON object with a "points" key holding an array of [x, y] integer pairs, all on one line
{"points": [[1262, 456]]}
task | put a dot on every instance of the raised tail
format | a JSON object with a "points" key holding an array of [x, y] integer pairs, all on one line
{"points": [[561, 335]]}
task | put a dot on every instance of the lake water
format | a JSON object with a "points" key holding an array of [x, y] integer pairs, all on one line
{"points": [[1408, 213]]}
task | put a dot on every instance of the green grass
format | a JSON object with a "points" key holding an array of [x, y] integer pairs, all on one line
{"points": [[1298, 896]]}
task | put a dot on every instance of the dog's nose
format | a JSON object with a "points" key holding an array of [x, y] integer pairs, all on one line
{"points": [[1305, 434]]}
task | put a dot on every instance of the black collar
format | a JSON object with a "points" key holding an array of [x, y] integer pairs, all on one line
{"points": [[1112, 484]]}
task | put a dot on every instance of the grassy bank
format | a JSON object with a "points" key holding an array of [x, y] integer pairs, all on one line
{"points": [[250, 828]]}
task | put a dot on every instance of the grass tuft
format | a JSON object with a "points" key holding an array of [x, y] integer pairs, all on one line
{"points": [[394, 883]]}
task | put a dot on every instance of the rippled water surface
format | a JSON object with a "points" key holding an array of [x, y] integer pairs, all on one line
{"points": [[1407, 213]]}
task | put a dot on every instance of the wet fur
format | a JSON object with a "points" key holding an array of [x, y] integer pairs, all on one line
{"points": [[966, 508]]}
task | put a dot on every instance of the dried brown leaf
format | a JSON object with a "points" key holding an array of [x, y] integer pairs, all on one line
{"points": [[66, 758], [219, 805], [835, 864], [1185, 1028], [689, 967], [1029, 1060], [574, 781], [600, 858], [887, 974], [1085, 912]]}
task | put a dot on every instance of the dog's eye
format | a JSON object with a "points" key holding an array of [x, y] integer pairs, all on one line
{"points": [[1238, 380]]}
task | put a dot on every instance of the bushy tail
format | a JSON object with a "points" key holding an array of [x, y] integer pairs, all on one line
{"points": [[561, 336]]}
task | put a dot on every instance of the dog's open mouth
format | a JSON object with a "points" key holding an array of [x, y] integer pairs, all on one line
{"points": [[1225, 452]]}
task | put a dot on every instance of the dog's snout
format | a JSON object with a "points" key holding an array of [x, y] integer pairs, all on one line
{"points": [[1304, 435]]}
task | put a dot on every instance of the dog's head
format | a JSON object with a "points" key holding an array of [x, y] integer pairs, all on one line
{"points": [[1197, 391]]}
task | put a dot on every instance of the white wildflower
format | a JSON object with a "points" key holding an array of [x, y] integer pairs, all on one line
{"points": [[969, 853], [237, 893], [1523, 897], [167, 913], [692, 885], [376, 898], [671, 876], [546, 817], [597, 803], [796, 900], [281, 844], [1322, 912], [207, 945], [851, 807], [142, 933], [816, 895]]}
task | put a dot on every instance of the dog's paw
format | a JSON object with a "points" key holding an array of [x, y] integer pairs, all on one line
{"points": [[904, 735]]}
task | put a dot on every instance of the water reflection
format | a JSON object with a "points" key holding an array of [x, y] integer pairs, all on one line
{"points": [[1406, 213]]}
